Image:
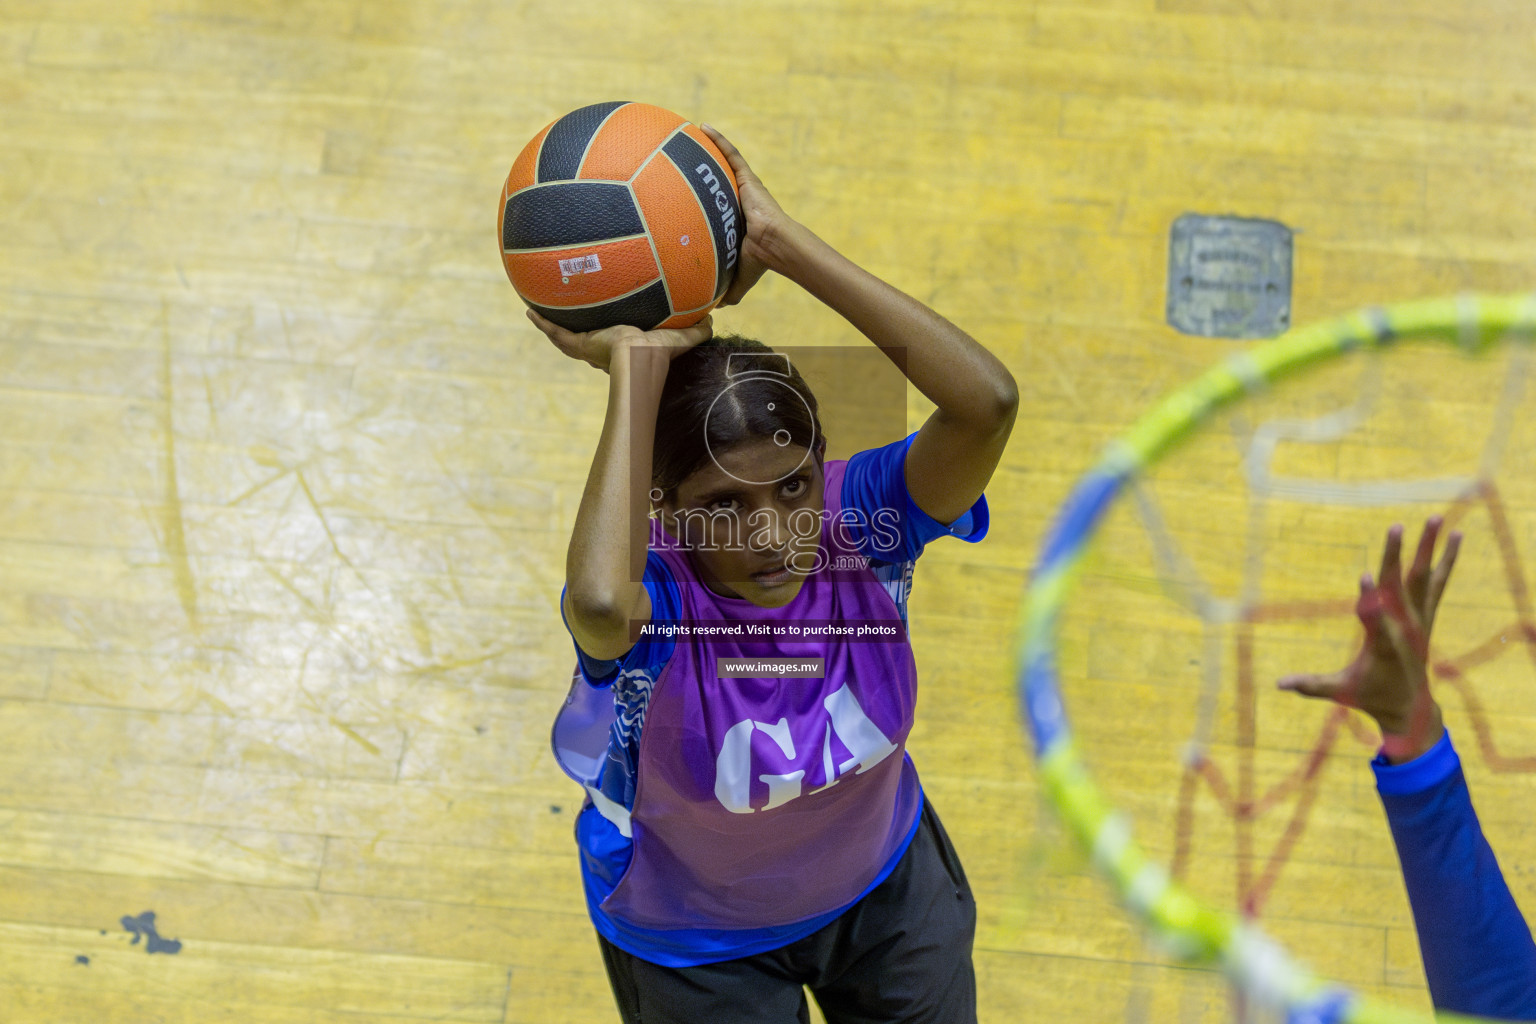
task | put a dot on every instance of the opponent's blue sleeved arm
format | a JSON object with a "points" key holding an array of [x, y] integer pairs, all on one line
{"points": [[1477, 949]]}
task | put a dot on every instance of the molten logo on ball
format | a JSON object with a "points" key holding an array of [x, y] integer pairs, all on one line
{"points": [[727, 211]]}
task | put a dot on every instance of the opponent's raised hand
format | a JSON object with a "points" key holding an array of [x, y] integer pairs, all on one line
{"points": [[597, 347], [1389, 679]]}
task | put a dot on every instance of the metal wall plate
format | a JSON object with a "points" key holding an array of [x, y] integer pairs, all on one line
{"points": [[1229, 277]]}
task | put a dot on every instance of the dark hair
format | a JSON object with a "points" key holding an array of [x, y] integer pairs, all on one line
{"points": [[722, 393]]}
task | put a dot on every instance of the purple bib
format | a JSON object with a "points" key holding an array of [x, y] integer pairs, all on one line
{"points": [[764, 802]]}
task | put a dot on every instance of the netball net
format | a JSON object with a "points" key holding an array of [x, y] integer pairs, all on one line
{"points": [[1228, 530]]}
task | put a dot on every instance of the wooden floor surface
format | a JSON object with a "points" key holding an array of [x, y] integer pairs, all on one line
{"points": [[286, 478]]}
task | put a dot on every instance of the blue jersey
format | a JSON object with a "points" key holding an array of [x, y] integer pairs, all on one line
{"points": [[891, 532], [1477, 950]]}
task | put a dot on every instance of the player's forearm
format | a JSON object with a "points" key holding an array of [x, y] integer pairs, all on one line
{"points": [[1477, 950], [606, 559], [967, 383]]}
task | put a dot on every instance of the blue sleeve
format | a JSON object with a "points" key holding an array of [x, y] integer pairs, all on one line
{"points": [[648, 654], [889, 526], [1477, 950]]}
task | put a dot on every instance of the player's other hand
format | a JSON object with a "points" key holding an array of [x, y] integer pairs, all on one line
{"points": [[1388, 679], [597, 347], [764, 219]]}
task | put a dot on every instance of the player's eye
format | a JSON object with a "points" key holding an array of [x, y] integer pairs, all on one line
{"points": [[796, 487]]}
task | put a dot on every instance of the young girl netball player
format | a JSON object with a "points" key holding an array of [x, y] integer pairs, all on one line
{"points": [[1477, 950], [746, 833]]}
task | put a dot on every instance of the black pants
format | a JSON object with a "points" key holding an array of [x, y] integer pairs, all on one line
{"points": [[901, 955]]}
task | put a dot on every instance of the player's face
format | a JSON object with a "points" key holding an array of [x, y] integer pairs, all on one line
{"points": [[751, 518]]}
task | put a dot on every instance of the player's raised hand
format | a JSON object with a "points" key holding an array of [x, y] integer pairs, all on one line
{"points": [[1389, 679], [762, 215], [597, 347]]}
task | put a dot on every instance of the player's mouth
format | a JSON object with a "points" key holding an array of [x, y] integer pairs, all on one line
{"points": [[775, 576]]}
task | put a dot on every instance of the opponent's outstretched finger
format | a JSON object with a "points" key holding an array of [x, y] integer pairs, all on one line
{"points": [[1390, 580], [1319, 685], [1423, 560], [1368, 608], [1440, 577], [1391, 574]]}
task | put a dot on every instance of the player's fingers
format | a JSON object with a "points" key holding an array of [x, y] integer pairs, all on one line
{"points": [[1394, 600], [1391, 558], [1423, 558], [724, 144], [563, 339], [538, 321], [1368, 604], [1325, 686], [688, 337], [1440, 577], [677, 340], [559, 335], [1421, 574], [733, 156]]}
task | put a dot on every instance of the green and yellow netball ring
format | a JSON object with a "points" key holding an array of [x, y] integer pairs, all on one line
{"points": [[1192, 931]]}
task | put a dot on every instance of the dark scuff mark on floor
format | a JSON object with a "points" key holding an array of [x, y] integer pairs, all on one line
{"points": [[143, 926]]}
